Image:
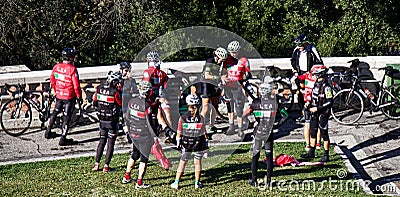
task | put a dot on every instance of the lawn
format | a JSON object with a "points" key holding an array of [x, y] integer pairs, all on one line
{"points": [[227, 170]]}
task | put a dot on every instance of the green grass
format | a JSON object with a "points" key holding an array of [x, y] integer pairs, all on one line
{"points": [[73, 177]]}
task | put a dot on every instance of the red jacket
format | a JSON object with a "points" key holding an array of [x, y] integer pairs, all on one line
{"points": [[309, 85], [65, 81], [156, 77]]}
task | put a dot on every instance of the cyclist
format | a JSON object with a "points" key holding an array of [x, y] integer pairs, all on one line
{"points": [[158, 80], [210, 91], [128, 83], [108, 102], [309, 82], [320, 105], [139, 130], [191, 137], [264, 111], [304, 56], [65, 81], [234, 50]]}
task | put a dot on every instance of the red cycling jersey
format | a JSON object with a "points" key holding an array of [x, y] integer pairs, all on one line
{"points": [[236, 72], [156, 77], [308, 85], [65, 81]]}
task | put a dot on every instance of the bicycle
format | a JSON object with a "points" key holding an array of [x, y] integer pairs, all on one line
{"points": [[283, 84], [16, 114], [349, 104]]}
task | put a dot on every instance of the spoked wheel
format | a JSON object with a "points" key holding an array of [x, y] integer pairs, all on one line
{"points": [[347, 107], [391, 102], [73, 121], [16, 117], [284, 94]]}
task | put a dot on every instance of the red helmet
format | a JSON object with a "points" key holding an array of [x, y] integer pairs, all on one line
{"points": [[317, 67]]}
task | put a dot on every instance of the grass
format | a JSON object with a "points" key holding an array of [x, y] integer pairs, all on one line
{"points": [[223, 177]]}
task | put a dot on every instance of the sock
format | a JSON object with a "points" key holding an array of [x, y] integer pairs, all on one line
{"points": [[139, 181], [196, 182], [127, 175], [326, 152], [176, 181]]}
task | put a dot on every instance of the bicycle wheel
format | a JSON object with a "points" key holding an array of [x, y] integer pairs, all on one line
{"points": [[73, 121], [391, 102], [16, 117], [347, 107], [285, 95]]}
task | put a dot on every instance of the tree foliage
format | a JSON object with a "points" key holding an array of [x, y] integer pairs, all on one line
{"points": [[34, 32]]}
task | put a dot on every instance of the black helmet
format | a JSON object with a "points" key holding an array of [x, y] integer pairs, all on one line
{"points": [[301, 39], [123, 65], [68, 53]]}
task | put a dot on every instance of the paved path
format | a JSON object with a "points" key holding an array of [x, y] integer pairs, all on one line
{"points": [[371, 149]]}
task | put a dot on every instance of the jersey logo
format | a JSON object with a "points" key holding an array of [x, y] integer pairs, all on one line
{"points": [[328, 92]]}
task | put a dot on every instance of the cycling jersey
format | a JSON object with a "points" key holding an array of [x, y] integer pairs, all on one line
{"points": [[264, 110], [308, 85], [157, 78], [137, 117], [193, 137], [322, 96], [109, 102], [237, 72], [65, 81]]}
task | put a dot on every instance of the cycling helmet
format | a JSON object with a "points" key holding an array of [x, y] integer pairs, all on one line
{"points": [[265, 89], [192, 99], [320, 71], [153, 56], [221, 53], [317, 66], [144, 88], [233, 47], [301, 39], [124, 65], [113, 78], [68, 53]]}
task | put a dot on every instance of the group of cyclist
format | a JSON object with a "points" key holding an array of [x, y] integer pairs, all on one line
{"points": [[145, 110]]}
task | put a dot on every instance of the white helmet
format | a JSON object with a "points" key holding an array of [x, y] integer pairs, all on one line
{"points": [[221, 53], [144, 88], [233, 47], [265, 89], [192, 99], [113, 77], [153, 56]]}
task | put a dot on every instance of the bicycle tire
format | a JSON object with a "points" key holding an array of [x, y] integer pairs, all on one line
{"points": [[73, 121], [347, 108], [8, 117], [284, 94], [391, 111]]}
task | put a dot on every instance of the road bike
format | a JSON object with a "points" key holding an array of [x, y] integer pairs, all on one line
{"points": [[16, 114], [349, 104]]}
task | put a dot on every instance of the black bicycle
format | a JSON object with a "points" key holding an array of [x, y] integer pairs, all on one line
{"points": [[283, 85], [349, 104], [16, 114]]}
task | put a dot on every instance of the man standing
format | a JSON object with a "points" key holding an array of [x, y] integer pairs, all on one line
{"points": [[64, 80], [304, 56]]}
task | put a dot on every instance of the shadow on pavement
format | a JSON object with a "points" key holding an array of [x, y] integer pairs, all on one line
{"points": [[391, 135]]}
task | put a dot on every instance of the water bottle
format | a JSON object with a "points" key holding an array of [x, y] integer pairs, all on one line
{"points": [[369, 94]]}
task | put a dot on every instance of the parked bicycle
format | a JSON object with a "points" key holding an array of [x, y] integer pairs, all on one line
{"points": [[349, 104], [16, 114], [284, 85]]}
